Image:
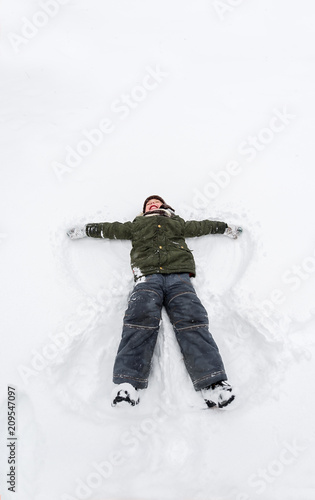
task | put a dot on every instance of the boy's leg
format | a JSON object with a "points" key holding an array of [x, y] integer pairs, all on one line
{"points": [[139, 335], [190, 321]]}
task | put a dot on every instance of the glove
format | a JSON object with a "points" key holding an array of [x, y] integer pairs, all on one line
{"points": [[76, 233], [233, 231]]}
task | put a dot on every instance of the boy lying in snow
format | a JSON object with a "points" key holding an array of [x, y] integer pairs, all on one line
{"points": [[163, 265]]}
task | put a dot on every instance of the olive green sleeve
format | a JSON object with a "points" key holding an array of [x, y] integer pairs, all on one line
{"points": [[111, 230], [200, 228]]}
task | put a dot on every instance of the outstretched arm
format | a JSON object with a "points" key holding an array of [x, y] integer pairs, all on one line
{"points": [[200, 228], [111, 230]]}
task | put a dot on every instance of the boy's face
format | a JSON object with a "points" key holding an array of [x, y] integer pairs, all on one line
{"points": [[153, 205]]}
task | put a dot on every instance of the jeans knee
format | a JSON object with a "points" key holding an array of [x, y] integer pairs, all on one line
{"points": [[144, 308], [185, 310]]}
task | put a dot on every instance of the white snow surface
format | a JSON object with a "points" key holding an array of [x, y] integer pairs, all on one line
{"points": [[209, 104]]}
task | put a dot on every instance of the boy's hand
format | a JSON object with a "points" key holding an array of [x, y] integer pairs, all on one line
{"points": [[76, 233], [233, 231]]}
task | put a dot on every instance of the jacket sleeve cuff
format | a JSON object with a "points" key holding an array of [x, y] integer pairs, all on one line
{"points": [[93, 230], [221, 227]]}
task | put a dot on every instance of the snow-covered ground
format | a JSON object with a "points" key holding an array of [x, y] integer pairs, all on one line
{"points": [[210, 104]]}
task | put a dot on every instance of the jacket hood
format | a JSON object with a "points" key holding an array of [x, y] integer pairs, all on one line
{"points": [[157, 197]]}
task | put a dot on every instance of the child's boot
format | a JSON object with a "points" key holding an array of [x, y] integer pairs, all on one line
{"points": [[125, 393], [219, 394]]}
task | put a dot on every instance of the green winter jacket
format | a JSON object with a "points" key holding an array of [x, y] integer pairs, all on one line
{"points": [[158, 242]]}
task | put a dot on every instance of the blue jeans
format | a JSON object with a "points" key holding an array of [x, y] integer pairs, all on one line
{"points": [[190, 322]]}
